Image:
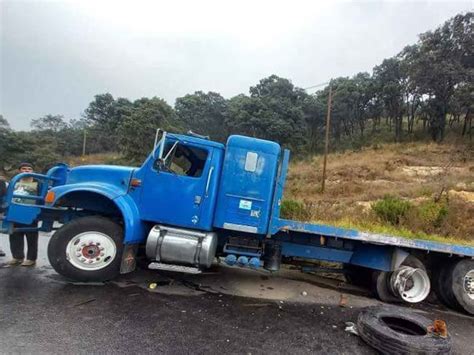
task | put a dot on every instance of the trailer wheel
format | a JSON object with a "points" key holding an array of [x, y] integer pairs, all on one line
{"points": [[459, 283], [394, 330], [381, 287], [87, 249], [442, 289], [383, 283]]}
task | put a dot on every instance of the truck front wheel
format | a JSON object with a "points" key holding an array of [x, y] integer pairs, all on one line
{"points": [[87, 249]]}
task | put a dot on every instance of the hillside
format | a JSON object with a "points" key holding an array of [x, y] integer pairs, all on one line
{"points": [[431, 188]]}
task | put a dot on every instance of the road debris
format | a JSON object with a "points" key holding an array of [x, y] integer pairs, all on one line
{"points": [[85, 302], [343, 300], [351, 328], [439, 328]]}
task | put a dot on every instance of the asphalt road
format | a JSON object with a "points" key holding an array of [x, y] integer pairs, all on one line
{"points": [[228, 310]]}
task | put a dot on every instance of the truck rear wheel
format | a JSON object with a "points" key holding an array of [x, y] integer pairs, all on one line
{"points": [[456, 285], [441, 287], [87, 249]]}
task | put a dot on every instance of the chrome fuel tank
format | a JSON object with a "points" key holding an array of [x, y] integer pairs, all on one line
{"points": [[181, 246]]}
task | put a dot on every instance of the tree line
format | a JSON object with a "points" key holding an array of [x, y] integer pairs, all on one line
{"points": [[422, 92]]}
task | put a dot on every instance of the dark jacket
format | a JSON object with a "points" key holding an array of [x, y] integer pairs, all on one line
{"points": [[3, 188]]}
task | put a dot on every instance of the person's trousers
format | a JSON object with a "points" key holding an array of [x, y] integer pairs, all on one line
{"points": [[17, 244]]}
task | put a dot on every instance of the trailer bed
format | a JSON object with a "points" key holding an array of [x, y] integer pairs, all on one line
{"points": [[372, 238]]}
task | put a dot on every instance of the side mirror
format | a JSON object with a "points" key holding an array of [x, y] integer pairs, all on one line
{"points": [[157, 141], [158, 152], [161, 162]]}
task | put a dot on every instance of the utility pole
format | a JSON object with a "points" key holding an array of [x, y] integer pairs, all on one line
{"points": [[326, 143], [84, 144]]}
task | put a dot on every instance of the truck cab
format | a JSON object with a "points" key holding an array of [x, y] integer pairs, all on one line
{"points": [[202, 185], [184, 205], [179, 186]]}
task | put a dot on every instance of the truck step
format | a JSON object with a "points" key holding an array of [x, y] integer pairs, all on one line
{"points": [[175, 268]]}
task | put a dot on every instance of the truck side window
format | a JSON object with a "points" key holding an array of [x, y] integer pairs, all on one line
{"points": [[251, 162], [186, 160]]}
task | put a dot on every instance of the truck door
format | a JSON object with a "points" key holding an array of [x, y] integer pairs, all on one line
{"points": [[175, 193]]}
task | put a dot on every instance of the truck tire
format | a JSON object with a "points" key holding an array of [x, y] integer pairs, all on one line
{"points": [[442, 289], [394, 330], [381, 280], [87, 249], [381, 287], [459, 283]]}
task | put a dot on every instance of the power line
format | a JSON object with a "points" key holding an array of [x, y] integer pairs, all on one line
{"points": [[316, 86]]}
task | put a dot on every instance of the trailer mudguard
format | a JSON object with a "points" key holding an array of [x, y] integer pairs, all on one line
{"points": [[134, 228]]}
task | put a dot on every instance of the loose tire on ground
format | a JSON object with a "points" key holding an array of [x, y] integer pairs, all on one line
{"points": [[81, 236], [394, 330]]}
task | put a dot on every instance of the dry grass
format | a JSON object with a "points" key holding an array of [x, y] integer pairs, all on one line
{"points": [[418, 172], [92, 159]]}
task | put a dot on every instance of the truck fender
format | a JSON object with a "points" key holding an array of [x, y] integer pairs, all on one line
{"points": [[134, 228]]}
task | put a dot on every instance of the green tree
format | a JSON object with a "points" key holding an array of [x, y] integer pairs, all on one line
{"points": [[389, 78], [51, 123], [443, 60], [105, 114], [273, 111], [8, 146], [4, 125], [137, 130], [314, 111], [203, 113], [461, 106]]}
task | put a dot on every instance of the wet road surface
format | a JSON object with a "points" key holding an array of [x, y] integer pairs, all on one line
{"points": [[227, 310]]}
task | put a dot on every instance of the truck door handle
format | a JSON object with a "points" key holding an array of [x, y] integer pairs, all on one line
{"points": [[211, 170]]}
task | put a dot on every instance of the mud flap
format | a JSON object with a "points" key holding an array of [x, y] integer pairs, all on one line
{"points": [[129, 262]]}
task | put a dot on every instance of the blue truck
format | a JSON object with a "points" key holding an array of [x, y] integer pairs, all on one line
{"points": [[194, 200]]}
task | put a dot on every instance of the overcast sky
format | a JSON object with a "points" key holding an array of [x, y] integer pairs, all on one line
{"points": [[56, 55]]}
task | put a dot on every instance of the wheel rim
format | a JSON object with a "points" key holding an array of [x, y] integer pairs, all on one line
{"points": [[469, 284], [412, 285], [91, 251]]}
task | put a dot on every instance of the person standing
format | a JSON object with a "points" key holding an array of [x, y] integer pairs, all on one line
{"points": [[3, 192], [25, 186]]}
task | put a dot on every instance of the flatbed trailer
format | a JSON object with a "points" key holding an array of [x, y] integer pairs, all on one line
{"points": [[193, 200]]}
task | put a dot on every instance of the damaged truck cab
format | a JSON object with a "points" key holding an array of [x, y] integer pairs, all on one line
{"points": [[193, 200]]}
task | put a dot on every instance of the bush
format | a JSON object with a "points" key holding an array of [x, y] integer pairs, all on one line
{"points": [[292, 209], [391, 209], [432, 213]]}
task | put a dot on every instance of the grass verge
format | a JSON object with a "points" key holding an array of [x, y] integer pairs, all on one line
{"points": [[371, 227]]}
